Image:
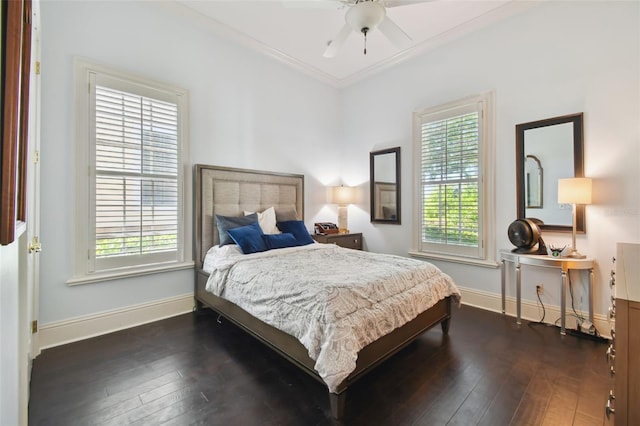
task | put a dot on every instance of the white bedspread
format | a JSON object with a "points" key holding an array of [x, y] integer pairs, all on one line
{"points": [[335, 301]]}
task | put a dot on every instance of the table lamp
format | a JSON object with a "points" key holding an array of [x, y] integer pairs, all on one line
{"points": [[342, 196], [574, 191]]}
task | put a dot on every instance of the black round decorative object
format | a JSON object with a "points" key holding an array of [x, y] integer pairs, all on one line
{"points": [[526, 236]]}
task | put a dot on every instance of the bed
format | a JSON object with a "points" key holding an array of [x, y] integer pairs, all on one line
{"points": [[231, 192]]}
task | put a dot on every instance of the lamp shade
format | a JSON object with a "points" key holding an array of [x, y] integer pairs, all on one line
{"points": [[342, 195], [574, 190], [365, 14]]}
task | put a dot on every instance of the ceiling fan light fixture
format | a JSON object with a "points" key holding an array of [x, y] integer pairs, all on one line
{"points": [[365, 14], [362, 17]]}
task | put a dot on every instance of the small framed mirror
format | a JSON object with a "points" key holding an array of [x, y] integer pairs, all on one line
{"points": [[384, 168], [557, 145]]}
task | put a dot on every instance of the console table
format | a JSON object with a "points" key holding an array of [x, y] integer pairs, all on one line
{"points": [[564, 264]]}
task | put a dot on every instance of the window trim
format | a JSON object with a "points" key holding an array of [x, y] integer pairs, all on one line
{"points": [[82, 259], [486, 191]]}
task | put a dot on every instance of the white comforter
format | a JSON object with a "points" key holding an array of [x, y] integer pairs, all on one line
{"points": [[335, 301]]}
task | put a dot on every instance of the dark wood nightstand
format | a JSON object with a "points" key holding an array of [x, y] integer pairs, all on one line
{"points": [[352, 241]]}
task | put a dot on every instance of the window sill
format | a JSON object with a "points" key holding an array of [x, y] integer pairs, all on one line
{"points": [[114, 275], [456, 259]]}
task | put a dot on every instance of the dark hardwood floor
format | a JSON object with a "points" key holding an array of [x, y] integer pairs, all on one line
{"points": [[192, 370]]}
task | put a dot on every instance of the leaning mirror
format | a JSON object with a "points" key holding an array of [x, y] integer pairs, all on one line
{"points": [[555, 144], [384, 169]]}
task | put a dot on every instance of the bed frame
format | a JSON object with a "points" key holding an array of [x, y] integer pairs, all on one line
{"points": [[229, 192]]}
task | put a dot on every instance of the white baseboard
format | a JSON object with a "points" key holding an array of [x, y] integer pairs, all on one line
{"points": [[530, 311], [72, 330]]}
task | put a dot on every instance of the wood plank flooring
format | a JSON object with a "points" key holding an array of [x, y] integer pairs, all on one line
{"points": [[191, 369]]}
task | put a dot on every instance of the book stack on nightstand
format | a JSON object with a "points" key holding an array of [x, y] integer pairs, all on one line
{"points": [[352, 241]]}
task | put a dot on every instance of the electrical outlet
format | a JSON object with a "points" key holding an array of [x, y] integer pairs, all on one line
{"points": [[540, 289], [586, 326]]}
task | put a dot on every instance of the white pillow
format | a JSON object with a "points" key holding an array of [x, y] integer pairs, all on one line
{"points": [[217, 256], [267, 221]]}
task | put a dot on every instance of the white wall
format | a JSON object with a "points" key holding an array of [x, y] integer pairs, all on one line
{"points": [[558, 58], [9, 338], [14, 340], [246, 110], [250, 111]]}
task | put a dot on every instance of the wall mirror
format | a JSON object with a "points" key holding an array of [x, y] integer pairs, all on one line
{"points": [[384, 169], [554, 145]]}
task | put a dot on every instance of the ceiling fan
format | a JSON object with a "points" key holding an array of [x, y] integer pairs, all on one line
{"points": [[364, 16]]}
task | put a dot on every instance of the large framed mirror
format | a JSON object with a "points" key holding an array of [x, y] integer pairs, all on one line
{"points": [[555, 145], [384, 169]]}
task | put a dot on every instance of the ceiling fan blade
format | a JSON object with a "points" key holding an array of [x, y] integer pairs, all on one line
{"points": [[337, 42], [396, 3], [394, 33], [313, 4]]}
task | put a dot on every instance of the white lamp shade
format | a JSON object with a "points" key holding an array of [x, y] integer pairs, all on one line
{"points": [[366, 14], [574, 190], [342, 195]]}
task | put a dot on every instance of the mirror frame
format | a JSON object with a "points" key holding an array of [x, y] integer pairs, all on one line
{"points": [[578, 165], [372, 156]]}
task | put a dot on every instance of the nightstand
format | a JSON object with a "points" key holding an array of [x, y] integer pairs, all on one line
{"points": [[352, 241]]}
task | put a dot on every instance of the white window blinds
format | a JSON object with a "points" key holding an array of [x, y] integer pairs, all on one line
{"points": [[449, 145], [135, 190], [131, 196], [136, 186], [450, 180]]}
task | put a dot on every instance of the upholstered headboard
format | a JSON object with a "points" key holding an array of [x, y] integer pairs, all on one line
{"points": [[230, 192]]}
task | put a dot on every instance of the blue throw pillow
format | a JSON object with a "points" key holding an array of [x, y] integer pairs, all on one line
{"points": [[249, 238], [276, 241], [299, 231], [225, 223]]}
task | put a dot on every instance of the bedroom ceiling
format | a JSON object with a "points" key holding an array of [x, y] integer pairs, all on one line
{"points": [[297, 32]]}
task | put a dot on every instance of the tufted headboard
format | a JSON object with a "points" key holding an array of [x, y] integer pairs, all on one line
{"points": [[230, 191]]}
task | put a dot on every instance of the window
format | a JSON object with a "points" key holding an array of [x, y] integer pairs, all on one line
{"points": [[453, 154], [131, 139]]}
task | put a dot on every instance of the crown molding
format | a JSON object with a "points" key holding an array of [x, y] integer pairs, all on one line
{"points": [[226, 32]]}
